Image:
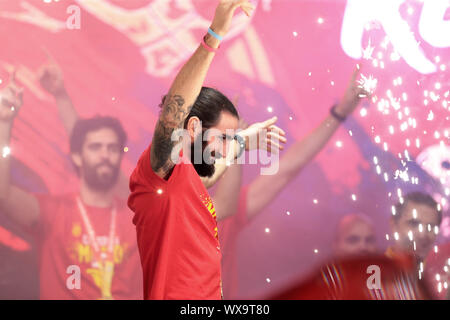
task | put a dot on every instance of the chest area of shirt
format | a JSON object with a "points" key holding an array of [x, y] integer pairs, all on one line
{"points": [[101, 237]]}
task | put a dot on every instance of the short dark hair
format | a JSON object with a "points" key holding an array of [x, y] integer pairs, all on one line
{"points": [[208, 107], [84, 126], [419, 198]]}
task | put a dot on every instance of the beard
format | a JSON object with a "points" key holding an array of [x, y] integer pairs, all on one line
{"points": [[204, 169], [101, 181]]}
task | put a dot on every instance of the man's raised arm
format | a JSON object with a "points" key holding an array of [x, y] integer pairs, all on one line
{"points": [[303, 151], [19, 205], [51, 79], [187, 85]]}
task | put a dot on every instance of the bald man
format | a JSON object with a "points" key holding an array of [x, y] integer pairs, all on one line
{"points": [[355, 236]]}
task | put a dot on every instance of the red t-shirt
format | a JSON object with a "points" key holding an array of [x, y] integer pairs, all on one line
{"points": [[177, 233], [63, 242], [229, 230]]}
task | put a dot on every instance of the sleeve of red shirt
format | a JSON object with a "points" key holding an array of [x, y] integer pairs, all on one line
{"points": [[144, 181]]}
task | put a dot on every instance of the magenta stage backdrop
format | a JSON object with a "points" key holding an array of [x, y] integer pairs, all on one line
{"points": [[292, 59]]}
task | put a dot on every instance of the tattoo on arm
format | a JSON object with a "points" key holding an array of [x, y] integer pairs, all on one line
{"points": [[172, 117]]}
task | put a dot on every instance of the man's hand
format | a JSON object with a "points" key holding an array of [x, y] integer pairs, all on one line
{"points": [[21, 206], [11, 99], [51, 77], [224, 14], [264, 135], [353, 95]]}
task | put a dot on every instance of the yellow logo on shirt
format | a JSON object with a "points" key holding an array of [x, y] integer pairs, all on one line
{"points": [[76, 230], [207, 201]]}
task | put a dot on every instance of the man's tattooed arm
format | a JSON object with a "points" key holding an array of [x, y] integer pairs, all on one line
{"points": [[172, 117], [176, 107]]}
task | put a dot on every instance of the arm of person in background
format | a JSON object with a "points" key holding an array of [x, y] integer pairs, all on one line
{"points": [[266, 187], [51, 79], [266, 135], [19, 205], [186, 88]]}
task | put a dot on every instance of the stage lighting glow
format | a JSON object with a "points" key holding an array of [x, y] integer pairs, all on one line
{"points": [[433, 28], [369, 84]]}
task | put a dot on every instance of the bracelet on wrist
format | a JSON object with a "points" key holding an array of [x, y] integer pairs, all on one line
{"points": [[336, 115], [207, 47], [241, 143], [215, 35]]}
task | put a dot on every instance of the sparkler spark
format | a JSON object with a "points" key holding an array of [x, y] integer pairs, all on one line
{"points": [[369, 84], [368, 51]]}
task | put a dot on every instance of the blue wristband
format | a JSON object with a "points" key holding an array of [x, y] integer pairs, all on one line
{"points": [[215, 35]]}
